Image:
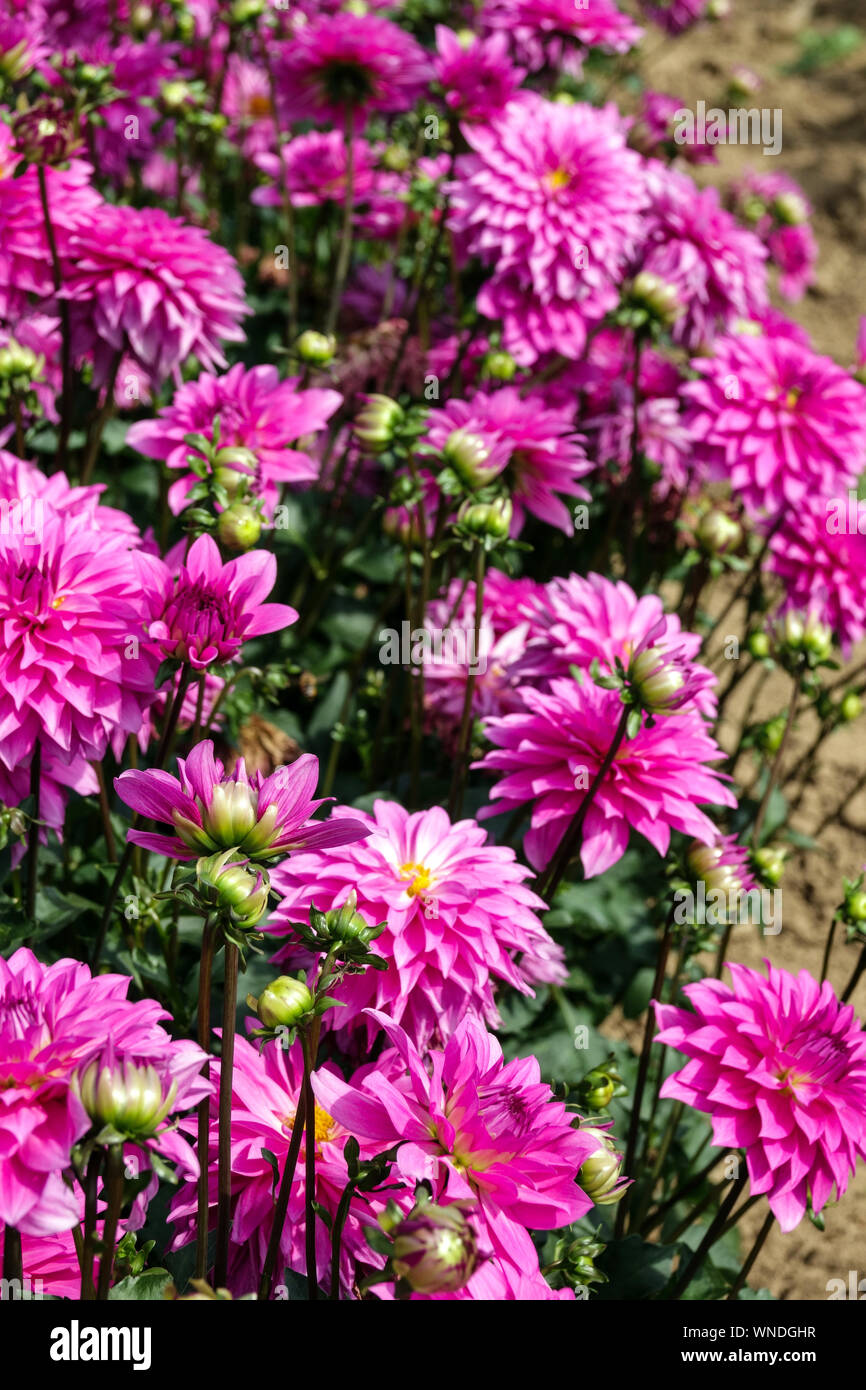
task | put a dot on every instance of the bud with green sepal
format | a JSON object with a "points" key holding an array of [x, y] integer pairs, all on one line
{"points": [[769, 864], [801, 641], [600, 1086], [377, 426], [316, 349], [498, 365], [600, 1175], [434, 1249], [343, 934], [126, 1100], [718, 533], [240, 526], [286, 1003], [475, 460], [487, 522], [237, 889]]}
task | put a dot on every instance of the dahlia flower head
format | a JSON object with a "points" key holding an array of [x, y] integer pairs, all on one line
{"points": [[201, 610], [532, 444], [819, 553], [675, 16], [54, 1021], [778, 209], [73, 671], [247, 105], [347, 63], [551, 751], [776, 420], [256, 411], [552, 199], [477, 75], [459, 919], [557, 33], [316, 172], [262, 817], [653, 133], [486, 1131], [139, 280], [581, 620], [41, 334], [266, 1087], [140, 67], [716, 267], [451, 652], [780, 1066]]}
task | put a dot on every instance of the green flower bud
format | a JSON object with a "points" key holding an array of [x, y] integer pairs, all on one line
{"points": [[790, 209], [434, 1249], [771, 733], [651, 292], [600, 1175], [126, 1096], [283, 1003], [487, 519], [396, 158], [242, 11], [769, 862], [855, 905], [598, 1088], [234, 467], [377, 424], [850, 707], [659, 682], [237, 888], [469, 455], [758, 644], [718, 532], [240, 526], [175, 95], [317, 349], [499, 366]]}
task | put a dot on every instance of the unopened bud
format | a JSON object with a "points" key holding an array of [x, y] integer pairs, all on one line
{"points": [[283, 1003], [239, 526], [317, 349]]}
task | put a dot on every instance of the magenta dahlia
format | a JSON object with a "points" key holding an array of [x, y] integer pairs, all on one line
{"points": [[777, 420], [819, 552], [551, 751], [674, 15], [256, 411], [477, 74], [142, 281], [780, 1066], [209, 810], [459, 917], [557, 33], [351, 63]]}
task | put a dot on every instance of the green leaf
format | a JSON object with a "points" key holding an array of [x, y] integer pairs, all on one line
{"points": [[147, 1287]]}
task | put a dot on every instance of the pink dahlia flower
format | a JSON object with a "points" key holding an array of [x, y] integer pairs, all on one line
{"points": [[552, 199], [50, 1263], [551, 751], [819, 553], [794, 250], [780, 1065], [265, 1091], [205, 611], [256, 411], [716, 266], [351, 63], [597, 619], [556, 33], [540, 452], [54, 1021], [247, 103], [487, 1131], [778, 421], [674, 15], [478, 76], [264, 817], [653, 134], [73, 668], [142, 281], [458, 917], [316, 168]]}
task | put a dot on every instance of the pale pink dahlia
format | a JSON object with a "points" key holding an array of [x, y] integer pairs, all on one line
{"points": [[541, 453], [256, 411], [692, 243], [203, 611], [351, 63], [458, 916], [551, 751], [73, 665], [140, 280], [778, 421], [210, 810], [819, 552], [54, 1021], [582, 620], [477, 75], [551, 198], [266, 1086], [780, 1065], [485, 1131]]}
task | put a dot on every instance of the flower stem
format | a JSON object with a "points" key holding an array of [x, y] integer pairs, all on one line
{"points": [[828, 949], [91, 1182], [715, 1231], [282, 1204], [224, 1158], [753, 1255], [33, 833], [346, 234], [462, 755], [66, 339], [13, 1266], [776, 767], [114, 1197], [203, 1038], [310, 1175], [337, 1237], [105, 813], [855, 977], [571, 839]]}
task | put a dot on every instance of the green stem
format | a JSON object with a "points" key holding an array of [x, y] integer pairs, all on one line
{"points": [[13, 1264], [461, 759], [224, 1164], [310, 1175], [657, 1217], [66, 337], [714, 1232], [753, 1255], [114, 1198], [855, 978], [33, 833], [828, 949], [204, 1042], [282, 1203], [337, 1237], [345, 252], [776, 767], [91, 1181]]}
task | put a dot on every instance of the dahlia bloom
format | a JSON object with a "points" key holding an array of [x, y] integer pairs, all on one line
{"points": [[247, 104], [541, 455], [794, 250], [256, 411], [653, 134], [478, 77], [780, 1065], [266, 1088], [351, 63], [777, 420], [551, 751], [263, 817], [674, 15], [315, 170], [138, 279], [54, 1021], [556, 33], [205, 610], [72, 669], [552, 199], [819, 552], [778, 209], [50, 1262], [488, 1131], [597, 619], [716, 267], [458, 916]]}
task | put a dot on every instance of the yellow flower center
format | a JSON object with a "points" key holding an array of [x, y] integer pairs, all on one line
{"points": [[324, 1124], [259, 105], [558, 178], [421, 878], [792, 398], [59, 601]]}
